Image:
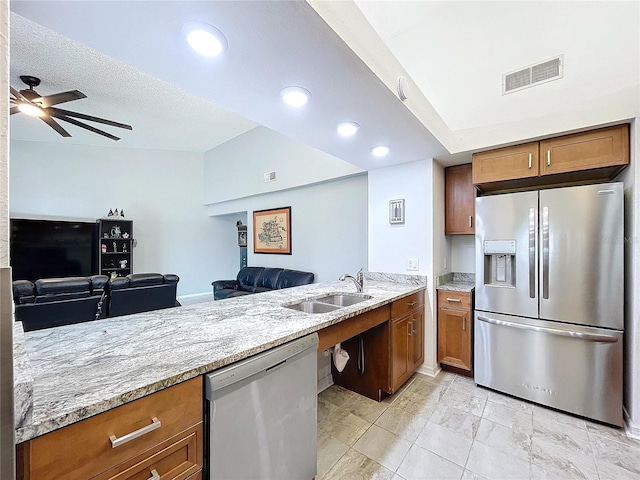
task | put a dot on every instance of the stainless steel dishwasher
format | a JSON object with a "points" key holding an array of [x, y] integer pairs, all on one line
{"points": [[261, 415]]}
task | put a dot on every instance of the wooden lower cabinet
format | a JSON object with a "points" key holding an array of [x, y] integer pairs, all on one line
{"points": [[170, 444], [384, 356], [455, 330]]}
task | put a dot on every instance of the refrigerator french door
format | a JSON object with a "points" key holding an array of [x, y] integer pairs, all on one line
{"points": [[549, 297]]}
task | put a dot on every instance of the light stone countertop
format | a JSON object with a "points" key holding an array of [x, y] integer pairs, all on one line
{"points": [[81, 370], [456, 282]]}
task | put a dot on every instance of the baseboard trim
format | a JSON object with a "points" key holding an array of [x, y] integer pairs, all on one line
{"points": [[325, 383], [195, 298], [429, 371], [632, 430]]}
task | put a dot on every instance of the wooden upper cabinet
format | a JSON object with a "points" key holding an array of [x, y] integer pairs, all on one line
{"points": [[588, 157], [508, 163], [459, 200], [606, 147]]}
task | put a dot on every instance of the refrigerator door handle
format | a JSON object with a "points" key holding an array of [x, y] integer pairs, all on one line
{"points": [[545, 252], [532, 253], [589, 337]]}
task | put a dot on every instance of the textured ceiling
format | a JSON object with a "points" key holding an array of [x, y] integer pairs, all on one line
{"points": [[163, 116]]}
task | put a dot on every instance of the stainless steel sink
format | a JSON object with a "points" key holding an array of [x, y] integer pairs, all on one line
{"points": [[328, 303], [313, 307], [343, 299]]}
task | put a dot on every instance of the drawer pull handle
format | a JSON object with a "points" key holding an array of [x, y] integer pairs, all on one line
{"points": [[411, 304], [548, 158], [457, 300], [154, 475], [413, 324], [529, 160], [410, 325], [117, 441], [464, 323]]}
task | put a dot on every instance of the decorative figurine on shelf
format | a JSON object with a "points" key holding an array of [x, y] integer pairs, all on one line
{"points": [[114, 275], [123, 264], [116, 214], [110, 214], [115, 232], [115, 247], [124, 248], [122, 213], [104, 248], [125, 235]]}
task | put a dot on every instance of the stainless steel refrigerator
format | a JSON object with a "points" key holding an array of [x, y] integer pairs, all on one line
{"points": [[549, 298]]}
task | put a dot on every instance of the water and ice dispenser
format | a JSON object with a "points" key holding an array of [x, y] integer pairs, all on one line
{"points": [[500, 263]]}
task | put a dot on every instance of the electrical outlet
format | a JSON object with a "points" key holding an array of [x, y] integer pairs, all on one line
{"points": [[412, 264]]}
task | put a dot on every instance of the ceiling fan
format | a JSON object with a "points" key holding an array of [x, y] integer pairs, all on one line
{"points": [[30, 102]]}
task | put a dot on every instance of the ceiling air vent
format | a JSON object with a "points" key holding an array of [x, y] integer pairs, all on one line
{"points": [[532, 75]]}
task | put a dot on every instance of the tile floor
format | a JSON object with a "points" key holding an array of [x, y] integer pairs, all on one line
{"points": [[448, 428]]}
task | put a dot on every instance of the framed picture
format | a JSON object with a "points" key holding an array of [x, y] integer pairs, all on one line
{"points": [[396, 211], [272, 231]]}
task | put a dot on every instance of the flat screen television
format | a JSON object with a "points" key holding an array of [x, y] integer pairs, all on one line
{"points": [[52, 248]]}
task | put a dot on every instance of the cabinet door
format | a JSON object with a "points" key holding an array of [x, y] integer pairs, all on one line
{"points": [[454, 337], [459, 195], [416, 340], [508, 163], [400, 347], [583, 151]]}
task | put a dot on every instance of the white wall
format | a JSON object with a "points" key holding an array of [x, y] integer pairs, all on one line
{"points": [[631, 178], [391, 245], [328, 227], [161, 191], [235, 169], [463, 251]]}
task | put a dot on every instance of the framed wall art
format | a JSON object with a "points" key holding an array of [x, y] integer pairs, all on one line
{"points": [[272, 231], [396, 211]]}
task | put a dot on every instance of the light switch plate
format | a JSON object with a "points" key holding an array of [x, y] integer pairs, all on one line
{"points": [[412, 264]]}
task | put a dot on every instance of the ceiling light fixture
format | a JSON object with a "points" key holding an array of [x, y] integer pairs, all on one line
{"points": [[295, 96], [380, 150], [205, 39], [32, 110], [347, 129]]}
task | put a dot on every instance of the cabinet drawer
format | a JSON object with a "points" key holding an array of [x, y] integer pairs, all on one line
{"points": [[407, 304], [176, 458], [84, 449], [454, 299]]}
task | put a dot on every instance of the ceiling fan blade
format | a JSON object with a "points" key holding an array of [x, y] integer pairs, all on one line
{"points": [[13, 110], [75, 122], [55, 125], [48, 100], [90, 118], [18, 95]]}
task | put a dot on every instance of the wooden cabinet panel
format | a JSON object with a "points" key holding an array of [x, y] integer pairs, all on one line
{"points": [[459, 200], [507, 163], [177, 458], [596, 149], [454, 337], [460, 300], [416, 341], [407, 304], [83, 449], [400, 366]]}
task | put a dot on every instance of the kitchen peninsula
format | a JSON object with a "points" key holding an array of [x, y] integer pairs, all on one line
{"points": [[71, 373]]}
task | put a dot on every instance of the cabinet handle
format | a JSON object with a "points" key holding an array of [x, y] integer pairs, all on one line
{"points": [[413, 330], [530, 160], [464, 323], [548, 158], [116, 442], [154, 475], [410, 324], [456, 300], [411, 304], [470, 221]]}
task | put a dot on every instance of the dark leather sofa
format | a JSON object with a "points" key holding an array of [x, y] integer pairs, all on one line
{"points": [[53, 302], [260, 279], [142, 292]]}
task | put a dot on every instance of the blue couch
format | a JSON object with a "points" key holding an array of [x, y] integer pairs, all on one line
{"points": [[260, 279]]}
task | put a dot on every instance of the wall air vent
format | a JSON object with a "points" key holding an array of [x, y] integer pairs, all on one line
{"points": [[532, 75], [269, 176]]}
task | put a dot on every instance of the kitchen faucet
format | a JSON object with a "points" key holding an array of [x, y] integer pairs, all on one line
{"points": [[359, 281]]}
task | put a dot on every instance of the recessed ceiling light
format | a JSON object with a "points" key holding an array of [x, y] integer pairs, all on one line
{"points": [[295, 96], [205, 39], [346, 129], [380, 151], [32, 110]]}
